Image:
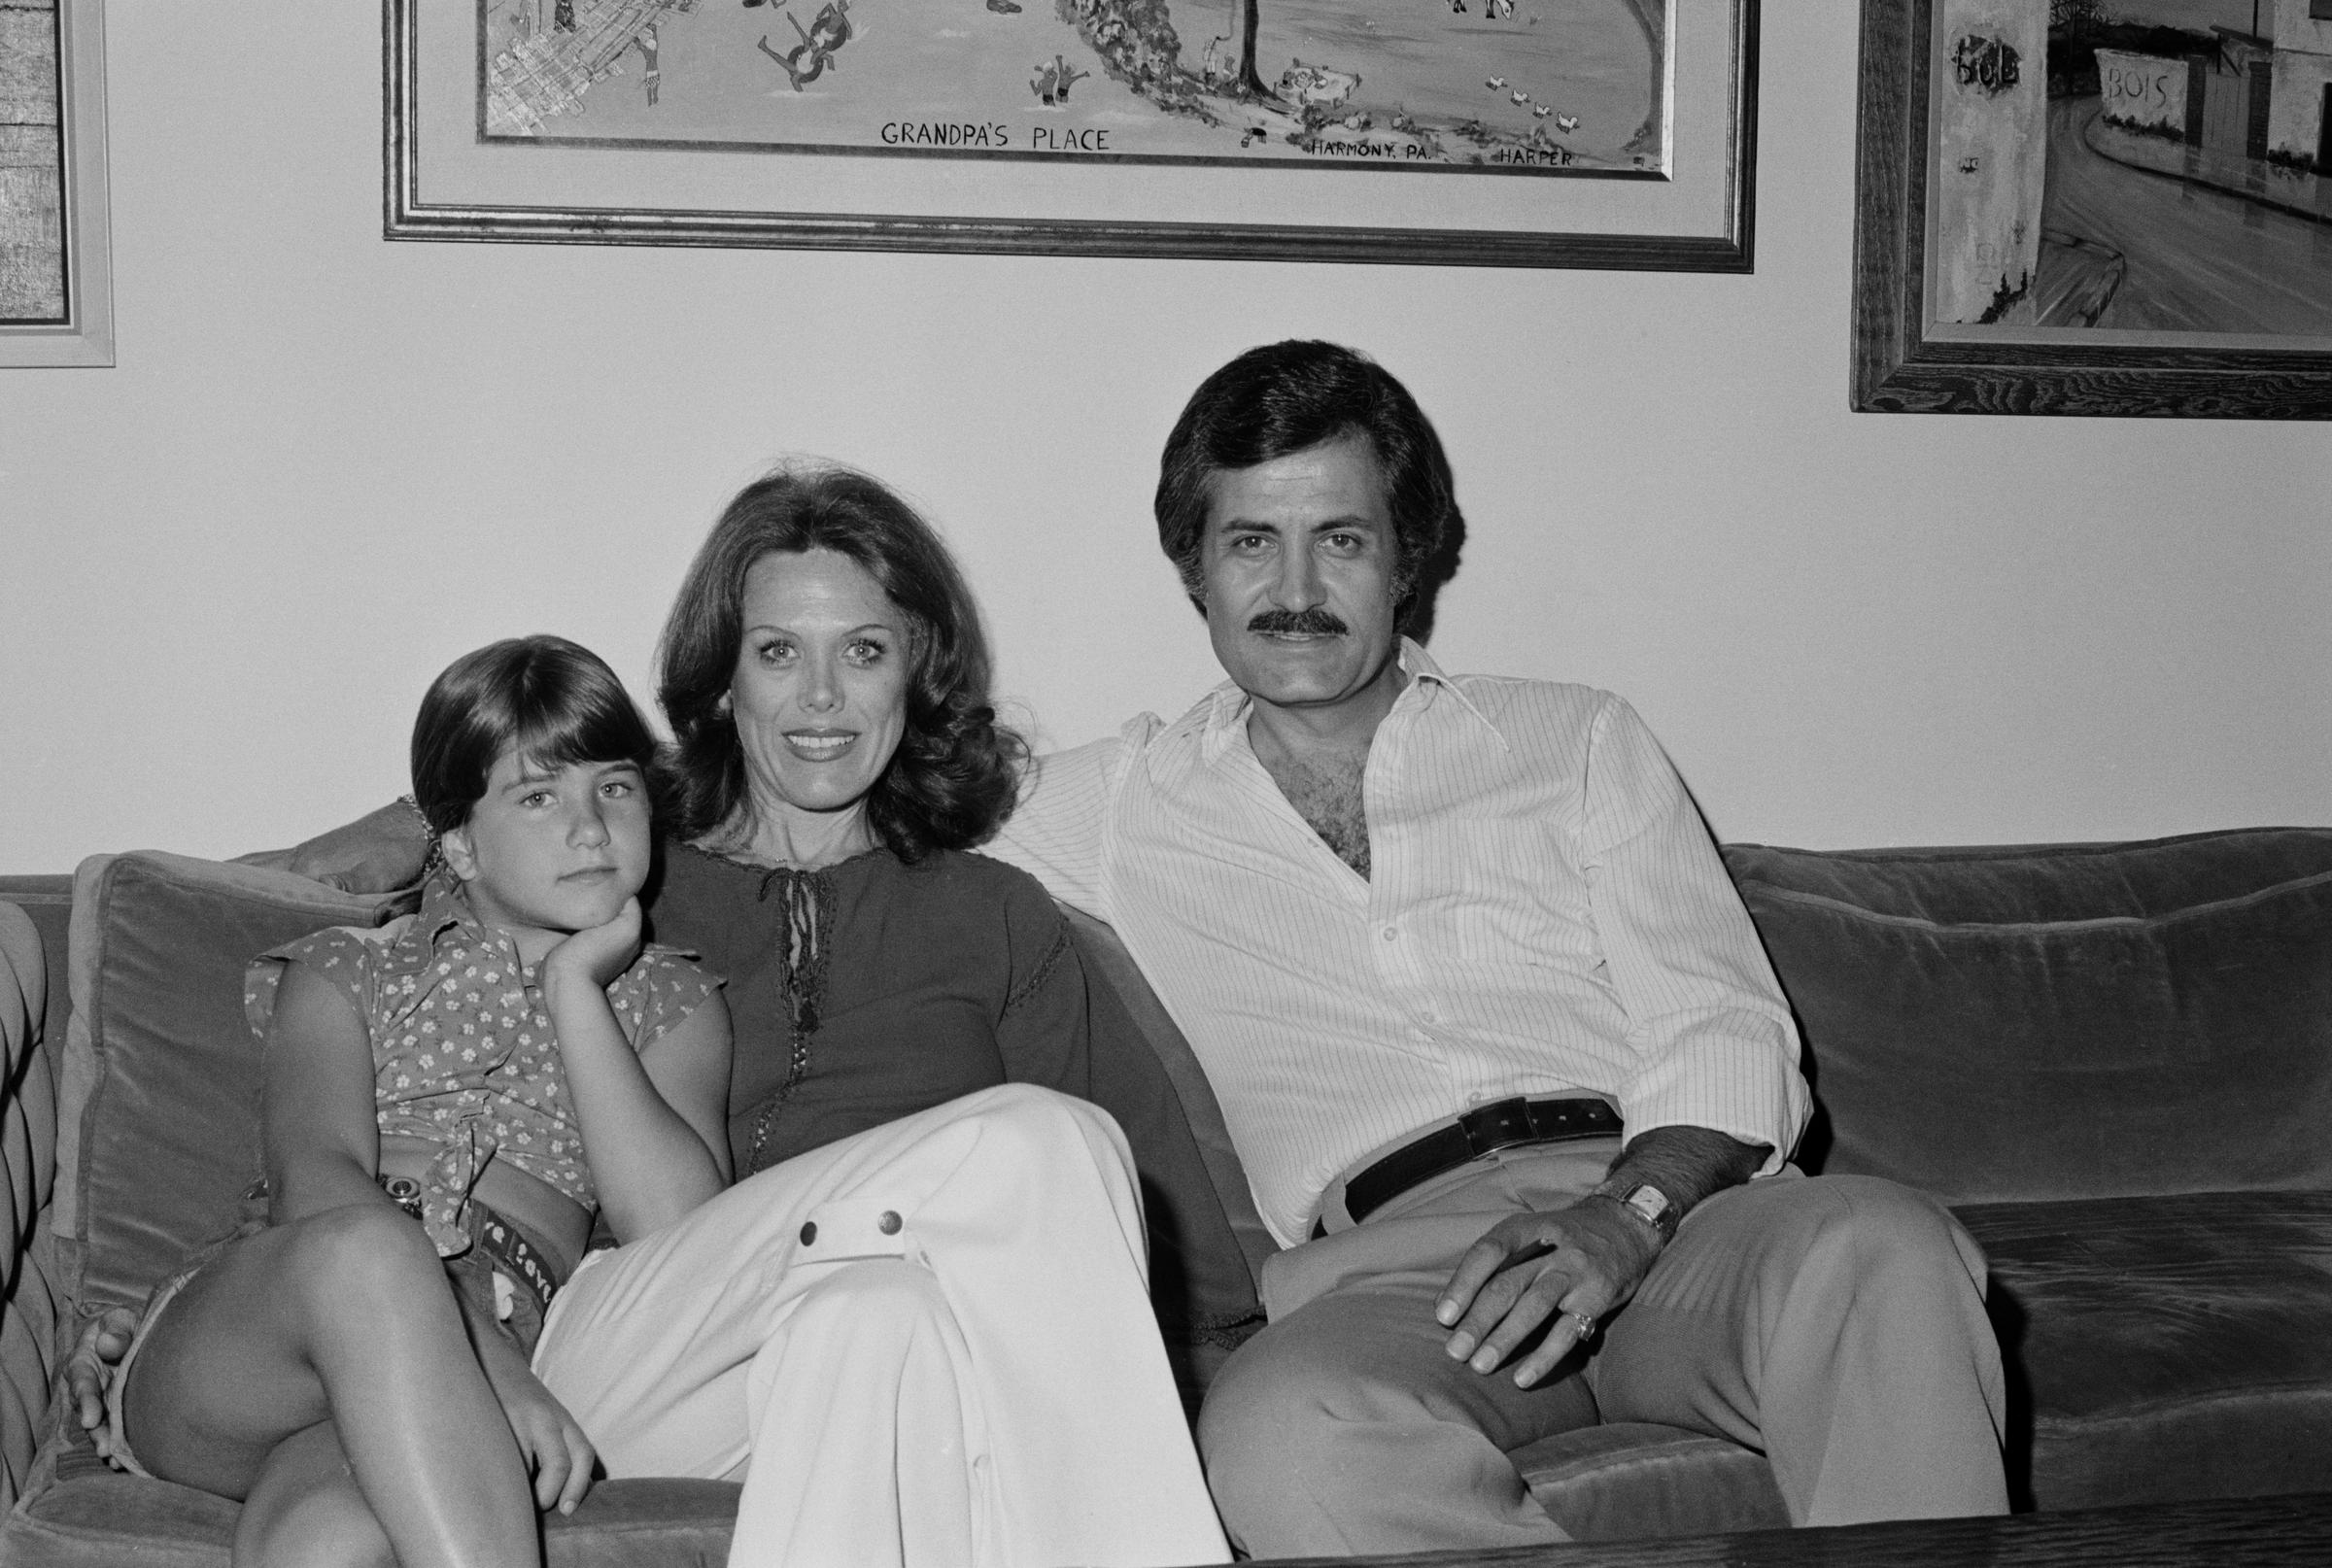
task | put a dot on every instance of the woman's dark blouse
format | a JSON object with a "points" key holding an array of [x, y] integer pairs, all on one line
{"points": [[941, 978]]}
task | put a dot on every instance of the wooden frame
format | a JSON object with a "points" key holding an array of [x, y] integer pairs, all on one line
{"points": [[83, 335], [446, 178], [1903, 364]]}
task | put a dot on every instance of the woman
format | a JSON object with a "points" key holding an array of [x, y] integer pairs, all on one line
{"points": [[916, 1328]]}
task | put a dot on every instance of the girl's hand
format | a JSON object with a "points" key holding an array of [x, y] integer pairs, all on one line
{"points": [[558, 1454], [89, 1371], [599, 954]]}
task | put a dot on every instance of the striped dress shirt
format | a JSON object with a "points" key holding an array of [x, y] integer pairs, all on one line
{"points": [[1544, 911]]}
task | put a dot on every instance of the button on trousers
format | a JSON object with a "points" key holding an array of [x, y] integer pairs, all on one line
{"points": [[1833, 1324], [929, 1343]]}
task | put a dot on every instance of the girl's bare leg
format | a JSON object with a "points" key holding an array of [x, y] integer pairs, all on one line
{"points": [[306, 1511], [343, 1318]]}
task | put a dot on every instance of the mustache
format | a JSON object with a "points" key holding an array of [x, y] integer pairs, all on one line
{"points": [[1315, 622]]}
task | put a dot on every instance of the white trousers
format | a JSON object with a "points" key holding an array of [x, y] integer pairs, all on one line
{"points": [[926, 1345]]}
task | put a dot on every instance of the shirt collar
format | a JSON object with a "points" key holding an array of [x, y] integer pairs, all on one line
{"points": [[1227, 706], [445, 914]]}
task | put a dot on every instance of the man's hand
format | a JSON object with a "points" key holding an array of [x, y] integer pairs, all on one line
{"points": [[596, 956], [1586, 1259], [558, 1454], [379, 852], [89, 1371]]}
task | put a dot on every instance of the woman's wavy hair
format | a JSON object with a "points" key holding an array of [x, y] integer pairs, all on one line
{"points": [[550, 700], [952, 782], [1288, 398]]}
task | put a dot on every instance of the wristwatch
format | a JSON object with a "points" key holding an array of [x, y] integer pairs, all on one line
{"points": [[1650, 1204]]}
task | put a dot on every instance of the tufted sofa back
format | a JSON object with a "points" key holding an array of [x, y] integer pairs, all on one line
{"points": [[27, 1161]]}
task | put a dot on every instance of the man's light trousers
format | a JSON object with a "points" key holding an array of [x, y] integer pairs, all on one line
{"points": [[1835, 1323]]}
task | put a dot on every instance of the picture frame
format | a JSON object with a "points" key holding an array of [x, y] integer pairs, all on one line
{"points": [[1907, 359], [58, 217], [449, 175]]}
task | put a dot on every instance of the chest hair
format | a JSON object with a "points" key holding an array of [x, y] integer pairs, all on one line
{"points": [[1325, 792]]}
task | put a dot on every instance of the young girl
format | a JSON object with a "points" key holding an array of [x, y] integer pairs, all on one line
{"points": [[447, 1100]]}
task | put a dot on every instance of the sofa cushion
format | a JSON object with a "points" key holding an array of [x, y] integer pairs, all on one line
{"points": [[157, 1132], [1628, 1479], [96, 1519], [2004, 884], [2065, 1021], [2165, 1346]]}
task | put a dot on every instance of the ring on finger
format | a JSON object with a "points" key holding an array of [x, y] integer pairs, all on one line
{"points": [[1583, 1325]]}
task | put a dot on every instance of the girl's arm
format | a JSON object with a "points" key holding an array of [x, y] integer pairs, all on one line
{"points": [[321, 1142], [324, 1148], [654, 1122]]}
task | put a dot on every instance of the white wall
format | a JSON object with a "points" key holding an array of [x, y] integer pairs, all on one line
{"points": [[326, 464]]}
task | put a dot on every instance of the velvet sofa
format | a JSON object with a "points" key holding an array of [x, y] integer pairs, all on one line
{"points": [[2113, 1061]]}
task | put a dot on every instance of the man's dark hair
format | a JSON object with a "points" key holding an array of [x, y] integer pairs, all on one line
{"points": [[954, 777], [1288, 398], [550, 700]]}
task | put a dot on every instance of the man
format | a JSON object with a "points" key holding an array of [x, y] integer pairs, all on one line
{"points": [[1435, 939]]}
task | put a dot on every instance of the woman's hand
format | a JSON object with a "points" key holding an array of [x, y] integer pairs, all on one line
{"points": [[89, 1371], [598, 955], [558, 1456]]}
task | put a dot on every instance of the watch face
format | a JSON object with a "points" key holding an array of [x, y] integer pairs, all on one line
{"points": [[1651, 1203]]}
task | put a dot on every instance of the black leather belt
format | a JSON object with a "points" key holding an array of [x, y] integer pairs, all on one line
{"points": [[495, 1236], [1501, 1124]]}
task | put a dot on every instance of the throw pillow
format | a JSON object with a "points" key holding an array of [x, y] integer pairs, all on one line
{"points": [[157, 1133], [2063, 1021]]}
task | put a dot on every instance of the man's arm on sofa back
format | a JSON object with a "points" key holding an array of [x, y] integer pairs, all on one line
{"points": [[380, 852]]}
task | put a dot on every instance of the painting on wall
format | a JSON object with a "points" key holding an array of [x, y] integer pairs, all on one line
{"points": [[55, 282], [2095, 207], [1506, 133]]}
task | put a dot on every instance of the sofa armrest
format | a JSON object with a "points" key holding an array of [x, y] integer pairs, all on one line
{"points": [[27, 1173], [1107, 960]]}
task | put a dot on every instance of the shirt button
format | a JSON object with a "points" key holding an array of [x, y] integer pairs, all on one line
{"points": [[890, 1223], [809, 1231], [1392, 932]]}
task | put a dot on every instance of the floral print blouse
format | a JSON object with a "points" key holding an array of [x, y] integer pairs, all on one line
{"points": [[463, 1050]]}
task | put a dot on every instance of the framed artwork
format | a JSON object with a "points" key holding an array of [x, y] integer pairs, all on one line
{"points": [[2095, 207], [1597, 133], [56, 302]]}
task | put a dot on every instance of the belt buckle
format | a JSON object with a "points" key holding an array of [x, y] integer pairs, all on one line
{"points": [[404, 1192], [1500, 1124]]}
